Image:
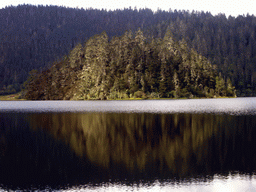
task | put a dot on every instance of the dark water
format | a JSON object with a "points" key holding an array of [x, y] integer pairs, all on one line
{"points": [[127, 146]]}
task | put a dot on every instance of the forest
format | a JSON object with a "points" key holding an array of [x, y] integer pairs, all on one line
{"points": [[36, 40], [129, 66]]}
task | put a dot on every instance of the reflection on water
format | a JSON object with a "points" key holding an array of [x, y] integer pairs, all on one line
{"points": [[184, 145], [68, 150]]}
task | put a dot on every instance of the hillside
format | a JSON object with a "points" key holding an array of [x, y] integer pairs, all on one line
{"points": [[129, 66], [34, 37]]}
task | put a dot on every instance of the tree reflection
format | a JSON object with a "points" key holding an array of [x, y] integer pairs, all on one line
{"points": [[181, 145], [60, 149]]}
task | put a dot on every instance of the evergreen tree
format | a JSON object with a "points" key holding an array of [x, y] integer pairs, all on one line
{"points": [[128, 67]]}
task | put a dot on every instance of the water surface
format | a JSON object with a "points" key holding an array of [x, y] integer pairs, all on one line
{"points": [[178, 145], [229, 106]]}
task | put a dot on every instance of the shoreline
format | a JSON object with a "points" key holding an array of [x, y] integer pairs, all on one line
{"points": [[17, 97], [11, 97]]}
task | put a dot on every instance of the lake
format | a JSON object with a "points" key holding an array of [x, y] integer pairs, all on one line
{"points": [[142, 145]]}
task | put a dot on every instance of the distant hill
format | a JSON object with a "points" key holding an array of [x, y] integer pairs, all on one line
{"points": [[34, 37]]}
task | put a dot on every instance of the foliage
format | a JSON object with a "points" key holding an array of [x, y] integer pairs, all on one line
{"points": [[32, 37], [130, 66]]}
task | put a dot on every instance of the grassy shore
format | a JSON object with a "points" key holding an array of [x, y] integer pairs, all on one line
{"points": [[17, 96], [180, 98], [11, 97]]}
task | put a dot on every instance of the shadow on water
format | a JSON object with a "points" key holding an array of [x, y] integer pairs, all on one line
{"points": [[61, 150]]}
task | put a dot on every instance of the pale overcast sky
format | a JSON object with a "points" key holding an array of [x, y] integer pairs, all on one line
{"points": [[229, 7]]}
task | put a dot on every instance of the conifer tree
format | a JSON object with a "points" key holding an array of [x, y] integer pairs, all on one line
{"points": [[130, 66]]}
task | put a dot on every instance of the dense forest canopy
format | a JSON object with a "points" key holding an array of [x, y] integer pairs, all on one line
{"points": [[33, 37], [129, 66]]}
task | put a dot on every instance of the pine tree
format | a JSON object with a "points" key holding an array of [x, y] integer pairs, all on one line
{"points": [[76, 55]]}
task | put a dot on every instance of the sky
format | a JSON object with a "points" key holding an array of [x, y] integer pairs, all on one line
{"points": [[229, 7]]}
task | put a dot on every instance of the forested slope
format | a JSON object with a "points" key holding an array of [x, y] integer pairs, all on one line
{"points": [[33, 37], [129, 66], [229, 43]]}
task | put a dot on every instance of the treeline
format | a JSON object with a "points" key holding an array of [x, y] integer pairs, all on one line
{"points": [[228, 42], [129, 66], [33, 37]]}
